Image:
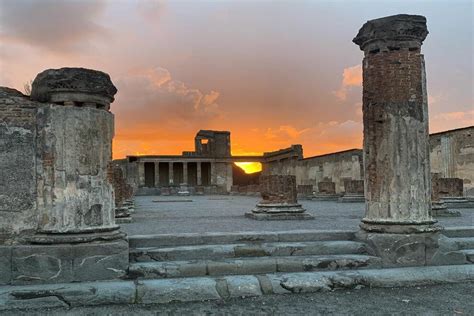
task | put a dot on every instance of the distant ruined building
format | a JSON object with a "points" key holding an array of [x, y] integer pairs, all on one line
{"points": [[210, 168]]}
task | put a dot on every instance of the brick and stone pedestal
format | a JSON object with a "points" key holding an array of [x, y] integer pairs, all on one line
{"points": [[62, 227], [353, 192], [398, 225], [279, 200], [451, 192], [305, 191], [326, 191], [438, 207]]}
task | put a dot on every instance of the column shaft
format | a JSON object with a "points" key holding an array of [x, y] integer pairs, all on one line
{"points": [[185, 172], [171, 173], [198, 167]]}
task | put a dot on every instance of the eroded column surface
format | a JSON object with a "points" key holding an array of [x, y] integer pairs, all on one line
{"points": [[75, 149], [395, 114]]}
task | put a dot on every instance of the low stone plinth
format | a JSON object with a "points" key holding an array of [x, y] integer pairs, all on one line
{"points": [[439, 209], [278, 211], [457, 202], [325, 197], [279, 200], [352, 198]]}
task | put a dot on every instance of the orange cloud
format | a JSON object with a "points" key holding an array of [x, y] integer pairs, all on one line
{"points": [[351, 77]]}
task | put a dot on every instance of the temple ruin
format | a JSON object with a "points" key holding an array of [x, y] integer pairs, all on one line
{"points": [[62, 196]]}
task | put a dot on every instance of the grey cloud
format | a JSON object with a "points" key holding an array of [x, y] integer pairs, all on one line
{"points": [[55, 25]]}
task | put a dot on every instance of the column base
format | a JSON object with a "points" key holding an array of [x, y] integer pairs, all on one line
{"points": [[279, 211], [352, 198], [326, 197], [457, 202], [71, 237], [412, 249], [399, 227]]}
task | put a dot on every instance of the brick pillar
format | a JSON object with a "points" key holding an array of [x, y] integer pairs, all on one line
{"points": [[395, 114], [171, 174], [198, 168]]}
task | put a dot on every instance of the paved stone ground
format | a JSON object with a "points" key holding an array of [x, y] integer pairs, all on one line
{"points": [[226, 214], [450, 299]]}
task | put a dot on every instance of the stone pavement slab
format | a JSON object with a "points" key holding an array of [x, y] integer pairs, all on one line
{"points": [[226, 214]]}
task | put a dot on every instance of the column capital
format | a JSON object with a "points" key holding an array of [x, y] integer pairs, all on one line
{"points": [[402, 31]]}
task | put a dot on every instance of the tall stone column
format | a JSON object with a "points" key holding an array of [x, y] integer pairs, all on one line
{"points": [[141, 174], [213, 177], [395, 114], [185, 172], [157, 174], [198, 168], [171, 173]]}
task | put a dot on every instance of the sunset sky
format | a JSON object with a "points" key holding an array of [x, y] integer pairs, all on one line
{"points": [[274, 73]]}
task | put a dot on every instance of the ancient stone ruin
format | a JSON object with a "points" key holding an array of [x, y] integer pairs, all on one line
{"points": [[279, 200], [395, 115], [326, 191], [353, 191], [57, 204]]}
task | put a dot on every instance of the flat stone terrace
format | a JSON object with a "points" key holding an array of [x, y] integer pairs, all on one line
{"points": [[226, 214]]}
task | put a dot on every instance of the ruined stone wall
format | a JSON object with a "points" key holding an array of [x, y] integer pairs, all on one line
{"points": [[452, 156], [17, 163], [335, 167]]}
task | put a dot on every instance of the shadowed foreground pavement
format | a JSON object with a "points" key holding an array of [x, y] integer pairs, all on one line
{"points": [[451, 299]]}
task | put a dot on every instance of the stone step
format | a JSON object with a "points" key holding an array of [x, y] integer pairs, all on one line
{"points": [[249, 266], [459, 231], [464, 242], [14, 299], [247, 250], [170, 240], [469, 253]]}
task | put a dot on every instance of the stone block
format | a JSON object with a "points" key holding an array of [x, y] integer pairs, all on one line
{"points": [[399, 250], [5, 264], [100, 261], [243, 286], [262, 265], [327, 187], [67, 295], [42, 264], [176, 290]]}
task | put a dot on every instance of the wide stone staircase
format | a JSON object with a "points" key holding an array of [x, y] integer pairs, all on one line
{"points": [[250, 253]]}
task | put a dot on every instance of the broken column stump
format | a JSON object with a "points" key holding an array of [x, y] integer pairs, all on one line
{"points": [[451, 192], [326, 191], [61, 219], [279, 200], [438, 207], [353, 192]]}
